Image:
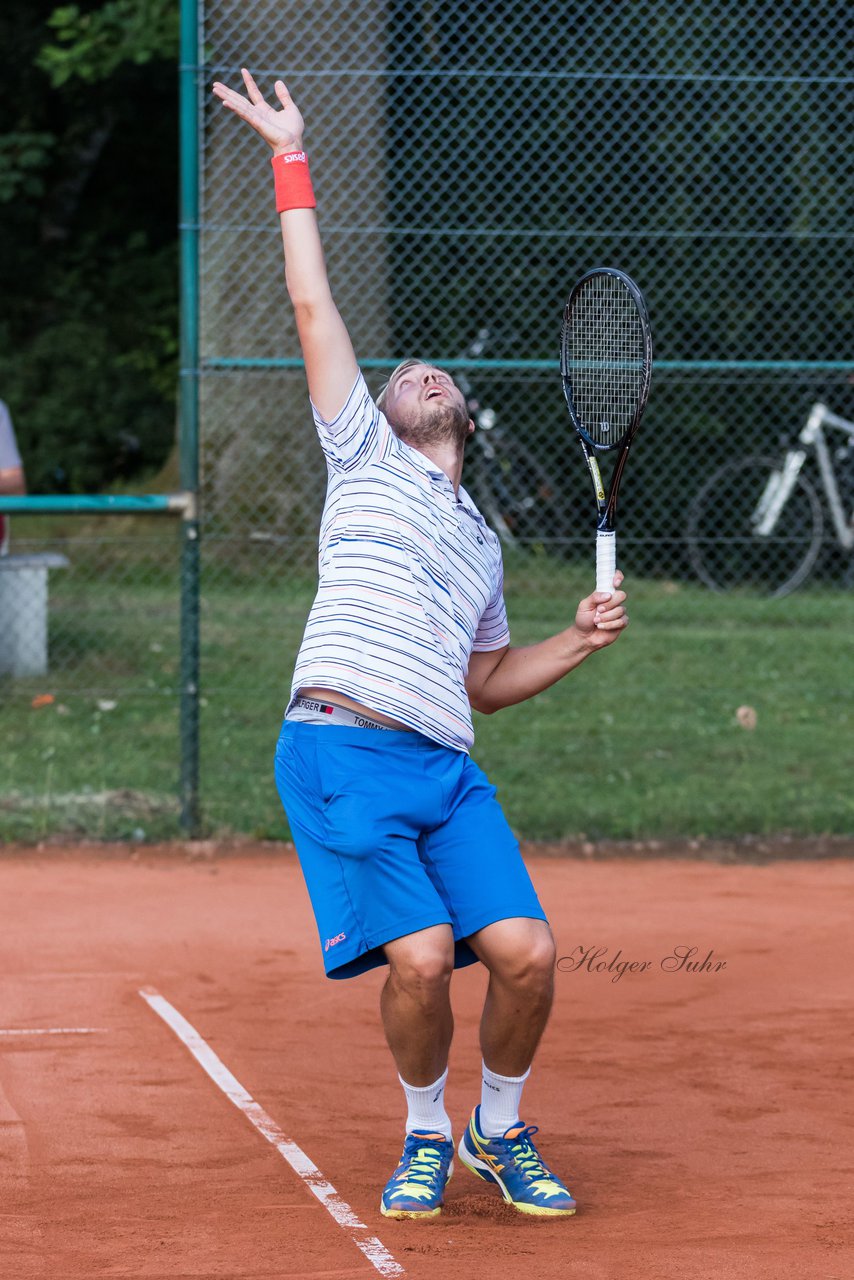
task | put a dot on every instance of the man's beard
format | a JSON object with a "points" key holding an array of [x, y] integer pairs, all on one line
{"points": [[432, 423]]}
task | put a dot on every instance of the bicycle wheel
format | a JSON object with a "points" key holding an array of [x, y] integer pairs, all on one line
{"points": [[725, 550], [517, 496]]}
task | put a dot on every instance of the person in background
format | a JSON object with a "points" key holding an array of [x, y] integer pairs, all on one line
{"points": [[12, 480]]}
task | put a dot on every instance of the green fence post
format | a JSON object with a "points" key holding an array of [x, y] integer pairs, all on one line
{"points": [[189, 411]]}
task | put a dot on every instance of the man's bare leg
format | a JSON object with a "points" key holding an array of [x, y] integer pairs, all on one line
{"points": [[520, 957], [416, 1013], [416, 1005]]}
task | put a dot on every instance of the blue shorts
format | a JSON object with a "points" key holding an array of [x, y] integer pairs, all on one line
{"points": [[396, 833]]}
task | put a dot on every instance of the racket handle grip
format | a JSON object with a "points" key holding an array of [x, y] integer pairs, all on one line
{"points": [[606, 560]]}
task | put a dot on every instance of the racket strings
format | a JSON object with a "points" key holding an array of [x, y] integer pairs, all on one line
{"points": [[606, 359]]}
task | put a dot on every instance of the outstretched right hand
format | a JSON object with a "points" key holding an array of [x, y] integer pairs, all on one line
{"points": [[282, 130]]}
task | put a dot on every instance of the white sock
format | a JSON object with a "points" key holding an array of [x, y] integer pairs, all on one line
{"points": [[499, 1102], [427, 1107]]}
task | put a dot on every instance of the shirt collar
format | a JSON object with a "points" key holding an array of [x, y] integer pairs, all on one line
{"points": [[468, 506], [421, 461], [429, 468]]}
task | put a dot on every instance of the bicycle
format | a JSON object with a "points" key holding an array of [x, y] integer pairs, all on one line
{"points": [[515, 494], [771, 542]]}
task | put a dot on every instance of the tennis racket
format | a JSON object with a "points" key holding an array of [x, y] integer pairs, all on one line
{"points": [[606, 366]]}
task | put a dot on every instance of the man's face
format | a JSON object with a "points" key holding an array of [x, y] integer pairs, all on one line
{"points": [[424, 405]]}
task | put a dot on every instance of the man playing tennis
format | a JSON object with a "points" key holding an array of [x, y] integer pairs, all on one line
{"points": [[407, 856]]}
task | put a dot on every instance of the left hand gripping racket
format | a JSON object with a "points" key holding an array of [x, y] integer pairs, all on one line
{"points": [[606, 367]]}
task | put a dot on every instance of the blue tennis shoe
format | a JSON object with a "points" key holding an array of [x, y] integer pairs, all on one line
{"points": [[416, 1189], [513, 1162]]}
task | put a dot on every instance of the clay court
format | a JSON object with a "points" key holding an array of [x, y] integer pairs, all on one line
{"points": [[701, 1117]]}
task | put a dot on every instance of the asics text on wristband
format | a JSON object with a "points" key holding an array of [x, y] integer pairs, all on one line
{"points": [[293, 182]]}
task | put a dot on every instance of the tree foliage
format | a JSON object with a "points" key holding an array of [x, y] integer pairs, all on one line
{"points": [[93, 45], [88, 241]]}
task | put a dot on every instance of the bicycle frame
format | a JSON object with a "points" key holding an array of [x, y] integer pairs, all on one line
{"points": [[780, 484], [844, 526]]}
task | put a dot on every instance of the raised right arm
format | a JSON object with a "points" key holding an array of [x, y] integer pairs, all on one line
{"points": [[330, 362]]}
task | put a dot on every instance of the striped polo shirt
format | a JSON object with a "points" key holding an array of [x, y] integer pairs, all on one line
{"points": [[410, 580]]}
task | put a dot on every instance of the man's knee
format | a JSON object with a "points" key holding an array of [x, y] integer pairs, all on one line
{"points": [[534, 967], [421, 966], [526, 959]]}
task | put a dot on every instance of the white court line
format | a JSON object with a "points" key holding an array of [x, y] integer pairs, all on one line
{"points": [[371, 1247], [50, 1031]]}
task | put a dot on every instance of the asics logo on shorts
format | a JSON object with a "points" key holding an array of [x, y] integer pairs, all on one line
{"points": [[331, 942]]}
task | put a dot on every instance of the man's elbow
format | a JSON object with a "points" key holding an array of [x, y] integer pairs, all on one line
{"points": [[311, 305], [482, 704], [305, 309]]}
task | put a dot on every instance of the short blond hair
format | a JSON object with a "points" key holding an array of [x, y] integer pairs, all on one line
{"points": [[404, 364]]}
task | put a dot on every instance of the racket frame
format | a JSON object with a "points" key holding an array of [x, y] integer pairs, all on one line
{"points": [[606, 504]]}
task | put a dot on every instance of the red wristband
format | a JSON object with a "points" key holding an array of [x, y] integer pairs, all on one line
{"points": [[293, 182]]}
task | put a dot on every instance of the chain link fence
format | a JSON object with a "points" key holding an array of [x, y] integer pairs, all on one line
{"points": [[89, 672], [470, 163]]}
